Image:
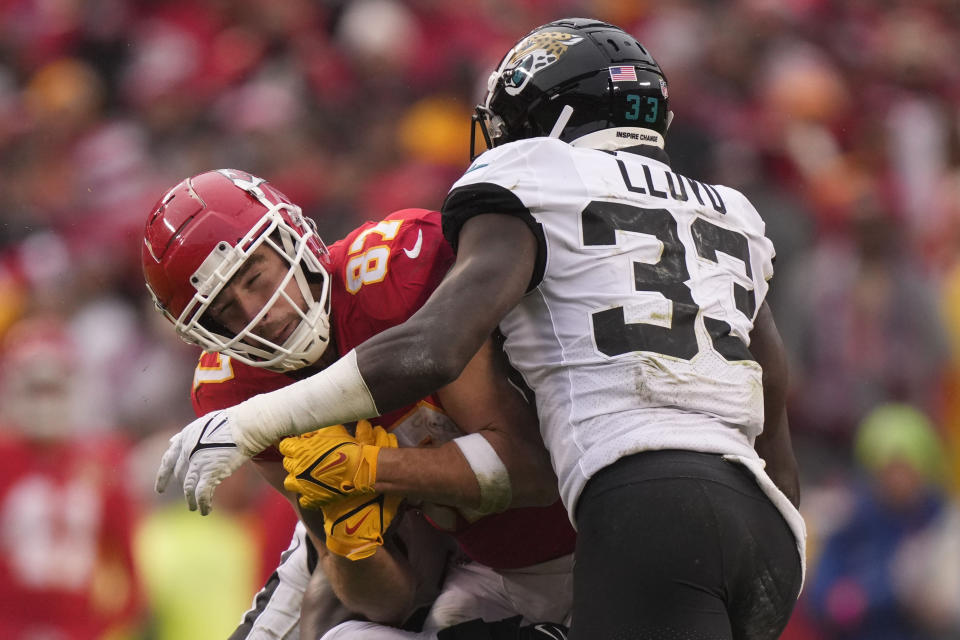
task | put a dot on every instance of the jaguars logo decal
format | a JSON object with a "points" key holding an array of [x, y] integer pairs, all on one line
{"points": [[534, 54]]}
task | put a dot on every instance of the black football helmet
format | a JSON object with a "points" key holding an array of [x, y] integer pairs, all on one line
{"points": [[600, 71]]}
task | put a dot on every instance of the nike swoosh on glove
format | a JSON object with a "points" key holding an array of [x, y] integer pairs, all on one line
{"points": [[355, 525], [329, 464], [202, 455]]}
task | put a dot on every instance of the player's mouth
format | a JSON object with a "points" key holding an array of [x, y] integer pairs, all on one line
{"points": [[284, 334]]}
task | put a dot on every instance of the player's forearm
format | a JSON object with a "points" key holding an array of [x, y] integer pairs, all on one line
{"points": [[380, 587], [439, 475], [774, 444], [532, 480], [443, 475], [320, 609], [483, 403], [410, 361], [775, 447]]}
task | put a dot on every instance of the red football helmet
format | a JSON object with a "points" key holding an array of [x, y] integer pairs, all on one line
{"points": [[198, 236]]}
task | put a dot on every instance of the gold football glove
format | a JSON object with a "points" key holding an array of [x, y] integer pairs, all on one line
{"points": [[355, 525], [329, 464]]}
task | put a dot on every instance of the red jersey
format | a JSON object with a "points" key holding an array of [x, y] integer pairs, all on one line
{"points": [[381, 274], [66, 530]]}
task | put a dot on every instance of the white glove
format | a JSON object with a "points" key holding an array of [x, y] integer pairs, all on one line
{"points": [[201, 456]]}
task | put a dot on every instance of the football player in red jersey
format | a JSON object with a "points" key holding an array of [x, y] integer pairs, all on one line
{"points": [[66, 524], [242, 273]]}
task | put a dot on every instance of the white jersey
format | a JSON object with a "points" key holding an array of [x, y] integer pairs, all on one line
{"points": [[635, 334]]}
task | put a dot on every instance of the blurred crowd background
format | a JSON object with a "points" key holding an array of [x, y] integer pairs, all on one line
{"points": [[840, 119]]}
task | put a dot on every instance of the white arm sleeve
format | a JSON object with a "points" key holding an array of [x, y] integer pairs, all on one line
{"points": [[335, 395]]}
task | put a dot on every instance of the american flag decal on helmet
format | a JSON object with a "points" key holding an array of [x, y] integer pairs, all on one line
{"points": [[623, 74]]}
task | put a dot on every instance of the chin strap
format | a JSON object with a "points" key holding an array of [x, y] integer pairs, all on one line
{"points": [[562, 121]]}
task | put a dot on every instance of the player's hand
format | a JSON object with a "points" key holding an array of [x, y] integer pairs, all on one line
{"points": [[329, 464], [201, 456], [355, 525]]}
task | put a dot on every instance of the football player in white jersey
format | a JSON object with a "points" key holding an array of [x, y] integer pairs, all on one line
{"points": [[632, 299]]}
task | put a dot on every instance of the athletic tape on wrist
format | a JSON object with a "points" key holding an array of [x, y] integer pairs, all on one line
{"points": [[495, 490], [335, 395]]}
